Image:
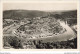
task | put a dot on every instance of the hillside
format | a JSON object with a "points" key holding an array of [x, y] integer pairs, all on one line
{"points": [[20, 14]]}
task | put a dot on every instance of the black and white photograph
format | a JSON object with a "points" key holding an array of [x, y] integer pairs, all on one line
{"points": [[40, 25]]}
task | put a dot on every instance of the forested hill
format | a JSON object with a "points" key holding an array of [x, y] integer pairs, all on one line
{"points": [[20, 14], [66, 14], [14, 14]]}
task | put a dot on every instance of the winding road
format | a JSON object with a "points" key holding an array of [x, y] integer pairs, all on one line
{"points": [[69, 34]]}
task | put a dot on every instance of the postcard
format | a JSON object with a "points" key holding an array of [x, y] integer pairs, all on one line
{"points": [[39, 25]]}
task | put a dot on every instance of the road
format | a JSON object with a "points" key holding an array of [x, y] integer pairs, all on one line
{"points": [[69, 34], [7, 31]]}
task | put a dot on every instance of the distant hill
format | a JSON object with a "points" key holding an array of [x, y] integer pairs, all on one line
{"points": [[64, 14], [14, 14], [20, 14]]}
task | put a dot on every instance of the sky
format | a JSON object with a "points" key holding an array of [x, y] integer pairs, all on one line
{"points": [[40, 6]]}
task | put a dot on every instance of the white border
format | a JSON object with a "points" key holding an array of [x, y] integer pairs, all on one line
{"points": [[40, 1]]}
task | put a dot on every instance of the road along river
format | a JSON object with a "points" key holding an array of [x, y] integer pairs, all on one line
{"points": [[69, 34]]}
